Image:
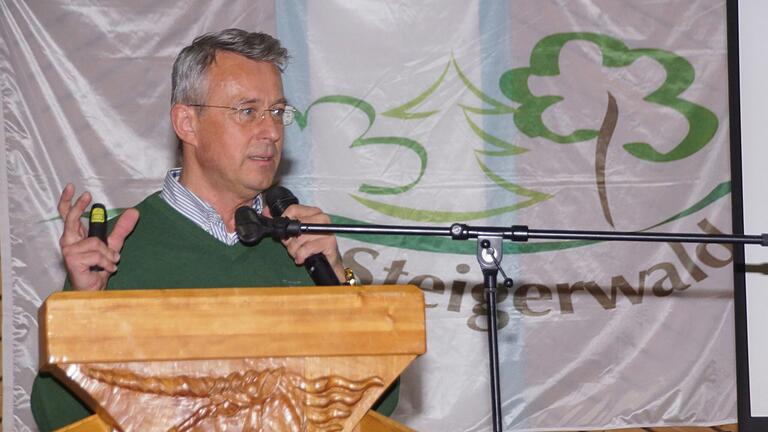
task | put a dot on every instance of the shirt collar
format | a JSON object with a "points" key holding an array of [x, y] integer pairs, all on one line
{"points": [[197, 210]]}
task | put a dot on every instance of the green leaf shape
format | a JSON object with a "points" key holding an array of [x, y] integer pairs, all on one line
{"points": [[401, 111], [702, 122], [508, 149], [370, 113], [498, 107], [111, 214], [437, 216], [535, 197], [419, 215], [679, 76], [360, 104], [410, 144], [450, 246], [718, 192]]}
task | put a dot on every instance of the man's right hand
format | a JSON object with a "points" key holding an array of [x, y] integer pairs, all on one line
{"points": [[81, 252]]}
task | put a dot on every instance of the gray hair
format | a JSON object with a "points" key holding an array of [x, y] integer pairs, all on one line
{"points": [[189, 81]]}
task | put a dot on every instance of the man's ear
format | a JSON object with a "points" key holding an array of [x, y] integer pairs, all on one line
{"points": [[184, 121]]}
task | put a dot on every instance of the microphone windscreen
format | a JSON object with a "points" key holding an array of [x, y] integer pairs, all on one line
{"points": [[278, 199], [249, 226]]}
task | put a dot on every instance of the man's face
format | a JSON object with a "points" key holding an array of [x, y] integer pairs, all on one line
{"points": [[233, 157]]}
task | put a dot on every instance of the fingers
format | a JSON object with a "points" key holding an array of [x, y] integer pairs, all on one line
{"points": [[65, 200], [70, 214], [81, 256], [123, 227], [301, 248], [89, 253], [306, 214], [304, 246], [82, 253]]}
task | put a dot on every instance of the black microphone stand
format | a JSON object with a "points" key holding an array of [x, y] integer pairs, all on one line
{"points": [[252, 227]]}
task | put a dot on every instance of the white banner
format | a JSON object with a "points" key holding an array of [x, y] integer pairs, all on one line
{"points": [[592, 115]]}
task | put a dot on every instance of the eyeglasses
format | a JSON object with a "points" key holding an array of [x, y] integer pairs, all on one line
{"points": [[248, 115]]}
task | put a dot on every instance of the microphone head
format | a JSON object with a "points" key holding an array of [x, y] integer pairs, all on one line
{"points": [[278, 199], [251, 227]]}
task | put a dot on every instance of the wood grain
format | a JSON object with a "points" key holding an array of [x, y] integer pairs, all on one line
{"points": [[375, 422], [312, 359], [192, 324]]}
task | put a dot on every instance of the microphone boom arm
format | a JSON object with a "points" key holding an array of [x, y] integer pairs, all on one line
{"points": [[521, 233], [252, 227]]}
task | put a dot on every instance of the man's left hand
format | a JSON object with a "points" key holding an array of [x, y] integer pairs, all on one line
{"points": [[306, 245]]}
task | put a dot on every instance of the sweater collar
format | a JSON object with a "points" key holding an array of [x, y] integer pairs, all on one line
{"points": [[197, 210]]}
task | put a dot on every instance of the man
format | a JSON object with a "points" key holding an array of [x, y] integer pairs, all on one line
{"points": [[228, 111]]}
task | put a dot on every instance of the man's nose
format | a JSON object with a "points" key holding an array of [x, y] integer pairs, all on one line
{"points": [[268, 126]]}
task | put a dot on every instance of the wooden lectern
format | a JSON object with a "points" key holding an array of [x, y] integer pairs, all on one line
{"points": [[233, 359]]}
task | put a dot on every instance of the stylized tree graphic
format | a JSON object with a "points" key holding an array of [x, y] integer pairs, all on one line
{"points": [[528, 118], [526, 112], [544, 62], [404, 112], [370, 112], [504, 149]]}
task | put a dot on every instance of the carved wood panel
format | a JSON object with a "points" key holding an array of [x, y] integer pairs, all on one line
{"points": [[288, 394]]}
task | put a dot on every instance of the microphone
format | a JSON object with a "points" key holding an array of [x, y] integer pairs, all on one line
{"points": [[252, 227], [97, 227], [278, 199]]}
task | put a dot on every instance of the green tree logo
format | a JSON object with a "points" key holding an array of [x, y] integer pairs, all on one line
{"points": [[369, 192], [527, 113], [545, 62]]}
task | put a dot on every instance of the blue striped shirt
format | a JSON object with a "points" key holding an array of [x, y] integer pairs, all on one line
{"points": [[198, 211]]}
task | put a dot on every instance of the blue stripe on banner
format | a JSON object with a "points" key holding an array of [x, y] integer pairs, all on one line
{"points": [[297, 153], [496, 59], [496, 54]]}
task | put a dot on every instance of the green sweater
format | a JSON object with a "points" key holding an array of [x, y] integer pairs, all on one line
{"points": [[167, 250]]}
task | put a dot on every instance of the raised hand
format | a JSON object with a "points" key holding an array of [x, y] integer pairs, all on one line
{"points": [[81, 252]]}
